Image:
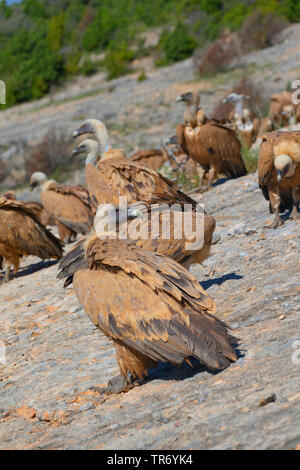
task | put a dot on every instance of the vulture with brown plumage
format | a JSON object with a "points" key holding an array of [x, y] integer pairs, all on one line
{"points": [[148, 305], [215, 147], [107, 180], [279, 172], [38, 210], [22, 234], [71, 206]]}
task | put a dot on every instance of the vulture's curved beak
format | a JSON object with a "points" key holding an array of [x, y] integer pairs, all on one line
{"points": [[78, 151], [33, 185], [179, 99], [76, 133], [84, 129], [172, 140], [280, 175]]}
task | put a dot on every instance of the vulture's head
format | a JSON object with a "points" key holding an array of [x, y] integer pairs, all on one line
{"points": [[234, 98], [285, 166], [172, 140], [188, 98], [97, 129], [288, 111], [37, 179], [86, 147], [90, 126]]}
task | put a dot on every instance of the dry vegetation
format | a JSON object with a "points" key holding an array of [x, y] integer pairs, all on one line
{"points": [[259, 30], [53, 151], [245, 86]]}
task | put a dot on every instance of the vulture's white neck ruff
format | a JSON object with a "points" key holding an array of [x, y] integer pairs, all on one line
{"points": [[239, 107], [103, 138], [91, 158]]}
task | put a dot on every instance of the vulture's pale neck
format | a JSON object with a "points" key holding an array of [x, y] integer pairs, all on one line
{"points": [[92, 158], [103, 139], [45, 185], [194, 105], [239, 107]]}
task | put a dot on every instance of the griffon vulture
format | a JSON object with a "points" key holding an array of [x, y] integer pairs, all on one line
{"points": [[22, 234], [71, 206], [114, 177], [148, 305], [215, 148], [246, 122], [279, 172]]}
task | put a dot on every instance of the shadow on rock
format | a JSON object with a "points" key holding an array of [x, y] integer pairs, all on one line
{"points": [[33, 268], [221, 280], [167, 371], [220, 181]]}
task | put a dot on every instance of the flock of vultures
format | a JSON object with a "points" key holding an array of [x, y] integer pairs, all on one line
{"points": [[138, 291]]}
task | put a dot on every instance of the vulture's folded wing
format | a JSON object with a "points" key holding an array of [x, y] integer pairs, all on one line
{"points": [[70, 205], [21, 229], [181, 138], [265, 164], [222, 143], [112, 179]]}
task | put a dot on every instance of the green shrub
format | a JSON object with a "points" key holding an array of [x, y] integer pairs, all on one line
{"points": [[30, 66], [103, 29], [250, 158], [142, 76], [34, 8], [5, 9], [177, 45], [88, 67], [117, 61]]}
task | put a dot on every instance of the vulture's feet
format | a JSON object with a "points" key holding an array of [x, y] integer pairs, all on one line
{"points": [[6, 278], [203, 189], [276, 223], [118, 384]]}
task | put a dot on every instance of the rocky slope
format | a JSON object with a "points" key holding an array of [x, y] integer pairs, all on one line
{"points": [[54, 354]]}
